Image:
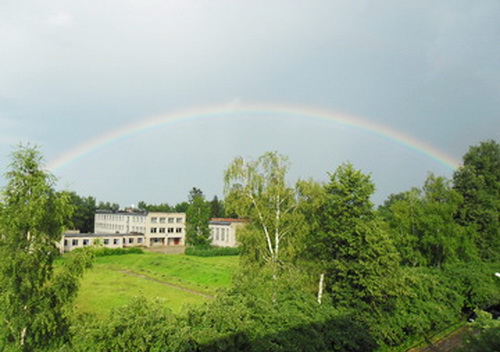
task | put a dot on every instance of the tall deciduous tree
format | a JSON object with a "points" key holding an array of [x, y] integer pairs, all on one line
{"points": [[478, 181], [359, 257], [33, 299], [257, 190], [197, 218]]}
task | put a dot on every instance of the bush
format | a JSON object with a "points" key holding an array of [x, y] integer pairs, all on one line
{"points": [[212, 251], [103, 251], [487, 341]]}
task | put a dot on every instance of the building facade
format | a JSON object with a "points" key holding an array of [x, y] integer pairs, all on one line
{"points": [[224, 231], [119, 229], [165, 229], [73, 240]]}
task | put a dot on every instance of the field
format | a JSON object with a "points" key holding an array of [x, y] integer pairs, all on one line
{"points": [[179, 280]]}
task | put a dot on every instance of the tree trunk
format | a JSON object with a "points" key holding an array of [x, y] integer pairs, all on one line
{"points": [[320, 288]]}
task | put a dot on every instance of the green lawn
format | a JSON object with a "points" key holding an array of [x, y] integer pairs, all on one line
{"points": [[106, 286]]}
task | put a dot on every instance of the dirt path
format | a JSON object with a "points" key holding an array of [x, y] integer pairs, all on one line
{"points": [[164, 283], [447, 343]]}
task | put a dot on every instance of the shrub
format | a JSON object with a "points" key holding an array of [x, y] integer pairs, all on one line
{"points": [[212, 251], [103, 251]]}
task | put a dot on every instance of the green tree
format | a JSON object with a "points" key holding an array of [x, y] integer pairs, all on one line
{"points": [[257, 190], [181, 207], [197, 218], [478, 181], [163, 207], [351, 244], [422, 224], [401, 213], [84, 212], [33, 299], [108, 206], [217, 208]]}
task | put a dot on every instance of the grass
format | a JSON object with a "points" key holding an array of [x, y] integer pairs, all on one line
{"points": [[106, 286]]}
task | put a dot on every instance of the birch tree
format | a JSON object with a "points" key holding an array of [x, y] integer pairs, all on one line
{"points": [[33, 299], [257, 190]]}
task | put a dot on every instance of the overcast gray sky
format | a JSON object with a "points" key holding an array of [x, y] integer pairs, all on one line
{"points": [[71, 71]]}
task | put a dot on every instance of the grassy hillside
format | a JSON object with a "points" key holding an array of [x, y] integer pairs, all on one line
{"points": [[177, 279]]}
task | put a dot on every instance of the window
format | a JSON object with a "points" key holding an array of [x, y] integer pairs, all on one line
{"points": [[106, 241], [178, 230], [222, 235], [65, 242], [139, 240], [130, 240], [170, 230], [74, 242], [178, 220], [162, 230], [217, 234], [170, 220], [154, 230], [85, 242], [116, 241], [154, 220], [162, 220]]}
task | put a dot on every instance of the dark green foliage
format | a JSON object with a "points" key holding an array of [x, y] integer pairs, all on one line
{"points": [[478, 181], [181, 207], [197, 217], [164, 207], [422, 224], [475, 282], [212, 251], [217, 208], [358, 257], [139, 326], [84, 212], [108, 206], [292, 322], [34, 300], [423, 301], [262, 313], [486, 341]]}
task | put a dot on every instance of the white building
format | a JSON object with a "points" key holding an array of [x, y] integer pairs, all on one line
{"points": [[118, 229], [108, 221], [73, 240], [165, 229], [224, 231]]}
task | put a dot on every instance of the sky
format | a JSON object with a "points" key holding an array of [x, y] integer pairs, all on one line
{"points": [[136, 100]]}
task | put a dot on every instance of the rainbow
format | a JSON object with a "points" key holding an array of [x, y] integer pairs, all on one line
{"points": [[237, 109]]}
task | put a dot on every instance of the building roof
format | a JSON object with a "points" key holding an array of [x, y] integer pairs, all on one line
{"points": [[74, 235], [121, 212], [226, 221]]}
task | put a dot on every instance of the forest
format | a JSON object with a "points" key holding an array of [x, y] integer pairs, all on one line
{"points": [[321, 268]]}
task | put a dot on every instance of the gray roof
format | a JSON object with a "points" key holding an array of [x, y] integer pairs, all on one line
{"points": [[71, 235]]}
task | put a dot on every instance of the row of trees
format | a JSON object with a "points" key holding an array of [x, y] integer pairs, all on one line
{"points": [[416, 263], [322, 269]]}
